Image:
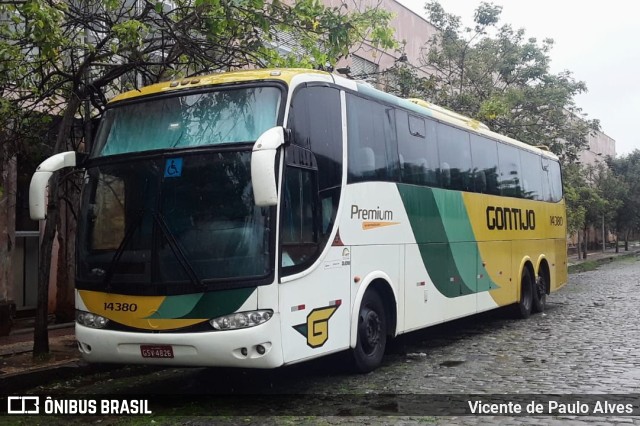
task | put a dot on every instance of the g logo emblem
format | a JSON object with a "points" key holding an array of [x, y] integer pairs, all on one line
{"points": [[316, 329]]}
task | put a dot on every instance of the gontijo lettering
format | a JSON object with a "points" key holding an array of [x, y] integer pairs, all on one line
{"points": [[510, 219]]}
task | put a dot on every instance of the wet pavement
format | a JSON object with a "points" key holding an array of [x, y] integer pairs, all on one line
{"points": [[587, 342]]}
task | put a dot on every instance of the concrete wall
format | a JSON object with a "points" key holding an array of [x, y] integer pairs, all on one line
{"points": [[409, 28], [600, 146]]}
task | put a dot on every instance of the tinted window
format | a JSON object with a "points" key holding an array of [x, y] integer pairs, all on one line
{"points": [[455, 158], [316, 123], [509, 169], [531, 175], [299, 237], [417, 148], [210, 118], [313, 177], [484, 154], [551, 180], [373, 151]]}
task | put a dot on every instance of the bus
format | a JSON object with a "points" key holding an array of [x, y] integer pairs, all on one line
{"points": [[267, 217]]}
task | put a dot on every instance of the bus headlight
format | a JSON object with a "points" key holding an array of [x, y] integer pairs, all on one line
{"points": [[241, 320], [91, 320]]}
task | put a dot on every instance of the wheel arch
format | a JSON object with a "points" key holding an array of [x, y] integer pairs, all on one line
{"points": [[528, 264], [381, 283]]}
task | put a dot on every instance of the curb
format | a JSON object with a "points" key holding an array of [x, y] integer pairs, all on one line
{"points": [[576, 267], [23, 380]]}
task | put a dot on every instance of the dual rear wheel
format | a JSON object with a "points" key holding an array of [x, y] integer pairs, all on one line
{"points": [[533, 294]]}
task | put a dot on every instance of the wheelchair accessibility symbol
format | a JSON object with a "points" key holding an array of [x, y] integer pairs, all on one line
{"points": [[173, 168]]}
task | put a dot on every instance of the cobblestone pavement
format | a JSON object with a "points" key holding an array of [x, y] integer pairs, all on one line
{"points": [[587, 342]]}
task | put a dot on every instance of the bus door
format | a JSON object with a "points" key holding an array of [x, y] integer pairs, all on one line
{"points": [[314, 288]]}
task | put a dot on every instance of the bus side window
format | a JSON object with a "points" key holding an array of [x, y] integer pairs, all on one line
{"points": [[484, 155], [417, 148], [299, 236], [510, 171], [373, 151], [455, 158], [531, 175], [551, 180]]}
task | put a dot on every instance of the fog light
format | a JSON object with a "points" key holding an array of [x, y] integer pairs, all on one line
{"points": [[260, 349], [243, 351]]}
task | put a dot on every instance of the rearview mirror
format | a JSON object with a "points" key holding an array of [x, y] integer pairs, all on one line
{"points": [[263, 168], [40, 179]]}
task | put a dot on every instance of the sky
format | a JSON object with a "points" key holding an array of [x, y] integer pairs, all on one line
{"points": [[596, 41]]}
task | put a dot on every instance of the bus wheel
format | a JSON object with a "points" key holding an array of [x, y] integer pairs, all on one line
{"points": [[372, 333], [540, 294], [522, 309]]}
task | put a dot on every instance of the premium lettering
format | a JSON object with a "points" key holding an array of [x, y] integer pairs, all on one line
{"points": [[510, 219], [370, 214]]}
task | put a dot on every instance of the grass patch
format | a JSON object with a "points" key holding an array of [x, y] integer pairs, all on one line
{"points": [[586, 266]]}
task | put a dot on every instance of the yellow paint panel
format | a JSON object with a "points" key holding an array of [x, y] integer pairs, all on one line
{"points": [[285, 75], [496, 256], [510, 231], [132, 311]]}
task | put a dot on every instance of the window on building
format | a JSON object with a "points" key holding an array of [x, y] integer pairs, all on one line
{"points": [[362, 68]]}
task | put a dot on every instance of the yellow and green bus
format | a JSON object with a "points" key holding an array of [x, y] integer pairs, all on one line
{"points": [[263, 218]]}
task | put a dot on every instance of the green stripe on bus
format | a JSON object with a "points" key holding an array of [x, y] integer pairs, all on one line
{"points": [[203, 305], [446, 240]]}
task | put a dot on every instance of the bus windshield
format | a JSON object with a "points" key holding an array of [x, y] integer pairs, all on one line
{"points": [[197, 119], [173, 219]]}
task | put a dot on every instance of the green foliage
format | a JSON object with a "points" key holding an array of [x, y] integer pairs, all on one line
{"points": [[63, 59], [497, 75], [52, 52], [625, 186]]}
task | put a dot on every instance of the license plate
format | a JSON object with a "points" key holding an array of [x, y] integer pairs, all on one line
{"points": [[156, 351]]}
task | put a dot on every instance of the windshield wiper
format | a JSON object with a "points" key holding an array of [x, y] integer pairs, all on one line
{"points": [[106, 282], [178, 252]]}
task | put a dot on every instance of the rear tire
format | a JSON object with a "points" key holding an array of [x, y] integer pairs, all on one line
{"points": [[372, 333], [540, 293], [523, 308]]}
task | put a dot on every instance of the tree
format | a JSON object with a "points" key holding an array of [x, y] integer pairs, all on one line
{"points": [[627, 172], [613, 191], [63, 58], [498, 76]]}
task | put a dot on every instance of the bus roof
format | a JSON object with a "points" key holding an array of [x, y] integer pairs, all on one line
{"points": [[286, 75]]}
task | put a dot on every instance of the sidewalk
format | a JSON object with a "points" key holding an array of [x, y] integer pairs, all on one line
{"points": [[19, 371]]}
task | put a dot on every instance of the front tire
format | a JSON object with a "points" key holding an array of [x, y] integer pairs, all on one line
{"points": [[372, 333]]}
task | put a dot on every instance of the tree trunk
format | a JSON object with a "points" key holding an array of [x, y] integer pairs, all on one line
{"points": [[8, 188], [41, 332], [579, 246], [586, 241], [65, 302], [617, 247], [626, 241]]}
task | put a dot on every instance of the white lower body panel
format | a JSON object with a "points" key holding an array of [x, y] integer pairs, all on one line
{"points": [[198, 349]]}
